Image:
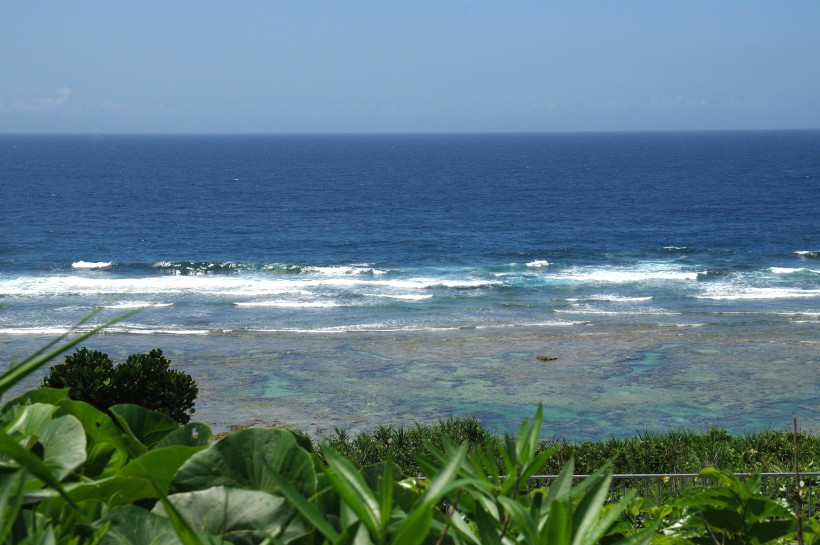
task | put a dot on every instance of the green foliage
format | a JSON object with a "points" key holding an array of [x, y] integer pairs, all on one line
{"points": [[734, 512], [403, 444], [73, 474], [87, 375], [70, 473], [144, 379], [676, 451]]}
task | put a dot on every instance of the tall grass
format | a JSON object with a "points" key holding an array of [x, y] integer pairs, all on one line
{"points": [[676, 451]]}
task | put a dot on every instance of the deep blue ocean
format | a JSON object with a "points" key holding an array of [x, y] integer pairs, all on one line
{"points": [[311, 239]]}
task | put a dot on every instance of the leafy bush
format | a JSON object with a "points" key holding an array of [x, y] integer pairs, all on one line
{"points": [[144, 379], [87, 374], [147, 381]]}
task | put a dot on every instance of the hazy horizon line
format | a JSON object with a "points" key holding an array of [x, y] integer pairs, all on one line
{"points": [[397, 133]]}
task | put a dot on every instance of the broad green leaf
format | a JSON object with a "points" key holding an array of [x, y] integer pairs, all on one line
{"points": [[100, 427], [726, 480], [31, 462], [62, 438], [22, 420], [716, 497], [770, 530], [193, 434], [725, 519], [132, 525], [247, 459], [104, 435], [160, 464], [182, 527], [760, 508], [49, 396], [112, 491], [243, 517], [146, 426], [64, 445], [305, 508]]}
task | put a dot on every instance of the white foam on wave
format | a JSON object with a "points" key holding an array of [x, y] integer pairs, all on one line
{"points": [[612, 298], [358, 328], [137, 304], [244, 286], [641, 312], [166, 285], [461, 284], [400, 296], [363, 268], [723, 293], [92, 264], [56, 331], [378, 327], [548, 323], [51, 331], [808, 253], [538, 264], [287, 304], [639, 274], [155, 331], [788, 270]]}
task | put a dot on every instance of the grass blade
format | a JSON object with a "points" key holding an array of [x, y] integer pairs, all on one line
{"points": [[353, 489]]}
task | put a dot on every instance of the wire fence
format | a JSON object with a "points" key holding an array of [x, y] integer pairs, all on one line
{"points": [[662, 487]]}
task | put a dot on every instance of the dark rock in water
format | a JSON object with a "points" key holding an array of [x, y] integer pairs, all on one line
{"points": [[546, 358]]}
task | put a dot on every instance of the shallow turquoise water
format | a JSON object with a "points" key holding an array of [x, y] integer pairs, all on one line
{"points": [[604, 381]]}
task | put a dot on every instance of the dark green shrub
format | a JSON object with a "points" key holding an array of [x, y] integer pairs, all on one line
{"points": [[144, 379], [147, 381], [87, 374]]}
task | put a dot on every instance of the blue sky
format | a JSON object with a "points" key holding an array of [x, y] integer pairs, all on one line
{"points": [[423, 66]]}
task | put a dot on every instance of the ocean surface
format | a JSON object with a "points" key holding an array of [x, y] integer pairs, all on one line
{"points": [[626, 281]]}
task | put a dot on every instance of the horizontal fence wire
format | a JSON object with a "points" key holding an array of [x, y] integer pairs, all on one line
{"points": [[662, 487]]}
